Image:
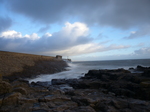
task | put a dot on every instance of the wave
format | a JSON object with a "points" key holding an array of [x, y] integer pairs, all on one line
{"points": [[73, 71], [78, 69]]}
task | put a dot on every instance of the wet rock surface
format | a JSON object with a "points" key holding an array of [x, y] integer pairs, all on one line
{"points": [[98, 91]]}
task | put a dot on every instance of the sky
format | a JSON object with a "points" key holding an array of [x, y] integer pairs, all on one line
{"points": [[82, 30]]}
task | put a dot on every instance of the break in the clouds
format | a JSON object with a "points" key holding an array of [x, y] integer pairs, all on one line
{"points": [[115, 13]]}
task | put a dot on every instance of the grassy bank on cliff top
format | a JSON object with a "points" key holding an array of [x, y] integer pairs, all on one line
{"points": [[28, 65]]}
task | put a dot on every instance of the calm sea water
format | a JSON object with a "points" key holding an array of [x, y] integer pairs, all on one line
{"points": [[78, 69]]}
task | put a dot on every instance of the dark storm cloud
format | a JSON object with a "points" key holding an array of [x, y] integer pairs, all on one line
{"points": [[116, 13], [5, 23], [142, 32]]}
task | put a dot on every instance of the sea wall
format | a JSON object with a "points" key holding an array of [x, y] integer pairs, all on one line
{"points": [[22, 64]]}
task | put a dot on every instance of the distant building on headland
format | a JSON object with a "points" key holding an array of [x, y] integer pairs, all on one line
{"points": [[58, 57]]}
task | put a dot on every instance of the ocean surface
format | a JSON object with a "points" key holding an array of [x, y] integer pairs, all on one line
{"points": [[78, 69]]}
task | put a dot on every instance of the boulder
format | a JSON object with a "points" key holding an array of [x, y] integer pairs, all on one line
{"points": [[25, 107], [119, 104], [143, 69], [5, 87], [81, 109], [40, 110], [58, 81], [145, 84], [20, 90], [42, 84], [23, 100], [146, 73], [0, 77], [11, 99], [94, 74], [20, 83], [81, 101]]}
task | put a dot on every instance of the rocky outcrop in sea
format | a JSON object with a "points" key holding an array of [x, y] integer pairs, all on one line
{"points": [[116, 90]]}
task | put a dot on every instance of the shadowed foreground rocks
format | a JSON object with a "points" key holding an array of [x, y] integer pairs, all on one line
{"points": [[98, 91]]}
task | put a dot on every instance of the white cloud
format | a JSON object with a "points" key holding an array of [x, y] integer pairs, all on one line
{"points": [[75, 30], [133, 32], [72, 39], [89, 48], [33, 36], [70, 35], [48, 35], [12, 34]]}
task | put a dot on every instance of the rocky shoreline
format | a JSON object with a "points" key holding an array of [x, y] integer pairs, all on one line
{"points": [[98, 91]]}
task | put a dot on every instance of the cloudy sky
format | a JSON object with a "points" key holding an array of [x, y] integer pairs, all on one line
{"points": [[80, 29]]}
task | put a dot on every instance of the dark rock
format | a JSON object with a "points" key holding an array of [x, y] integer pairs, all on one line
{"points": [[119, 104], [94, 74], [0, 77], [130, 78], [20, 90], [139, 106], [101, 106], [141, 68], [146, 73], [80, 101], [11, 99], [145, 84], [23, 100], [40, 110], [82, 109], [58, 81], [41, 84], [5, 87], [20, 83], [131, 68]]}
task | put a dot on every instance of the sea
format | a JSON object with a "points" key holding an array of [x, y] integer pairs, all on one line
{"points": [[78, 69]]}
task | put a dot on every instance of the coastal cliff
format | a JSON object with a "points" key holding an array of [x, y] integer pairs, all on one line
{"points": [[28, 65]]}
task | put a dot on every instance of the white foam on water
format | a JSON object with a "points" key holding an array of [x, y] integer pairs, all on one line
{"points": [[73, 71], [78, 69]]}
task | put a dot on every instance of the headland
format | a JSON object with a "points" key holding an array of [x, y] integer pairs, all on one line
{"points": [[20, 65]]}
